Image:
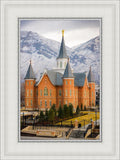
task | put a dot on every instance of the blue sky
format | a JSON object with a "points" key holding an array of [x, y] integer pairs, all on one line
{"points": [[76, 31]]}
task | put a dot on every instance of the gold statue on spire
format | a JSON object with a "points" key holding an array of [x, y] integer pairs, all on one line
{"points": [[62, 33]]}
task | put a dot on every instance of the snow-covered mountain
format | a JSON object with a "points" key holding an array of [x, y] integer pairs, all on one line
{"points": [[86, 55], [43, 53]]}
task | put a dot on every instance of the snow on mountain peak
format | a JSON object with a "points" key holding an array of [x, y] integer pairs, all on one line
{"points": [[43, 53]]}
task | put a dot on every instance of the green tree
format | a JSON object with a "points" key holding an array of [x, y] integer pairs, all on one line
{"points": [[66, 111], [54, 108], [70, 109], [60, 112], [42, 116], [77, 109], [85, 107], [46, 114], [51, 115]]}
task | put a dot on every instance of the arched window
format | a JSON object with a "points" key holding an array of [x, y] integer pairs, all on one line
{"points": [[40, 103], [50, 92], [41, 92], [45, 91], [60, 93], [31, 92], [60, 64], [66, 92], [31, 102], [45, 103]]}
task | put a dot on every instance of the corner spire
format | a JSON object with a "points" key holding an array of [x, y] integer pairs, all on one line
{"points": [[90, 76], [68, 72], [30, 73]]}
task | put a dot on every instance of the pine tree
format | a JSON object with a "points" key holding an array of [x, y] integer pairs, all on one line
{"points": [[42, 116], [71, 110], [60, 112], [46, 114], [77, 109], [51, 115], [54, 108]]}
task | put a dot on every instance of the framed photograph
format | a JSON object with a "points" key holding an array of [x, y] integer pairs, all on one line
{"points": [[60, 80], [60, 87]]}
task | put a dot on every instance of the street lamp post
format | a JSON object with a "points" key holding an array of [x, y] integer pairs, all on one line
{"points": [[33, 122], [91, 126]]}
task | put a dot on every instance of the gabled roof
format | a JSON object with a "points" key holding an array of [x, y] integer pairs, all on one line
{"points": [[62, 52], [68, 73], [56, 78], [30, 73], [90, 76]]}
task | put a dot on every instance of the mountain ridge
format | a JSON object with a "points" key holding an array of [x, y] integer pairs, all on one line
{"points": [[43, 53]]}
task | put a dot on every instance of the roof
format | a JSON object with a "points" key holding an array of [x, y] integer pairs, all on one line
{"points": [[62, 52], [79, 79], [68, 73], [30, 73], [90, 76], [56, 78]]}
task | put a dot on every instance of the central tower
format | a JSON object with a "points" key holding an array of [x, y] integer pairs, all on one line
{"points": [[62, 58]]}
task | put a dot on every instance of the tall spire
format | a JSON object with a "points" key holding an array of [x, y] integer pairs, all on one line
{"points": [[30, 73], [62, 52], [62, 33], [68, 72], [90, 76]]}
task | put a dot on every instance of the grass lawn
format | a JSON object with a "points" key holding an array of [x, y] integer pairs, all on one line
{"points": [[90, 114]]}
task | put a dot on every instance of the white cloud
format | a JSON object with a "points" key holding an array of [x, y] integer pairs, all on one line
{"points": [[76, 31]]}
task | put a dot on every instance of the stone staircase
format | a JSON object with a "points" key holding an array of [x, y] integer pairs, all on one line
{"points": [[80, 132]]}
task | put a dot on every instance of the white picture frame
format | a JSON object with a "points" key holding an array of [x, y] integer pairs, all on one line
{"points": [[108, 148]]}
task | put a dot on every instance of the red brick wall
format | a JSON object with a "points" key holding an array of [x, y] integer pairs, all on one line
{"points": [[76, 96], [68, 91], [29, 94], [83, 93], [59, 98], [92, 94], [45, 82]]}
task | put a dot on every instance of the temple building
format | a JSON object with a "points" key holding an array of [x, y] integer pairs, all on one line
{"points": [[59, 86]]}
